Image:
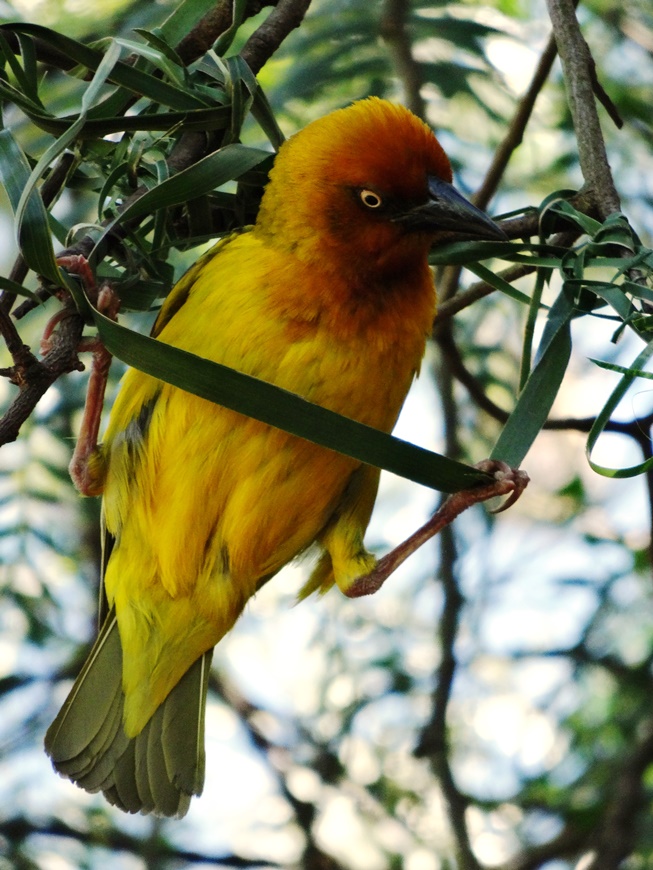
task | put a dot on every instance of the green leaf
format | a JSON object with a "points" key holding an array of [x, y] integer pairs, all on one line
{"points": [[498, 282], [622, 370], [277, 407], [541, 388], [18, 289], [629, 375], [33, 232], [159, 54], [215, 169], [90, 95], [260, 109], [541, 279], [565, 209], [237, 14], [461, 253], [184, 18], [135, 80]]}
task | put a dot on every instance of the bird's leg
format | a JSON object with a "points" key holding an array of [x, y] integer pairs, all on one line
{"points": [[86, 466], [507, 481]]}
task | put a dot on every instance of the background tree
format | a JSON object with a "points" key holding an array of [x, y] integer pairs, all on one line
{"points": [[491, 706]]}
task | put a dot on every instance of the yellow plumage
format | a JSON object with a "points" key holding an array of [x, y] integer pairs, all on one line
{"points": [[330, 296], [210, 503]]}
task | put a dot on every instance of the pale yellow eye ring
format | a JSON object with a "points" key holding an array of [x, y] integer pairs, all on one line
{"points": [[370, 198]]}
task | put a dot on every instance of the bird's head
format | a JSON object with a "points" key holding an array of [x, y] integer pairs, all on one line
{"points": [[366, 183]]}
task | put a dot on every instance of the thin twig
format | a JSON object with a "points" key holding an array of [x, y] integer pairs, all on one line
{"points": [[161, 852], [34, 377], [515, 133], [262, 44], [477, 290], [216, 21], [434, 743], [392, 27], [615, 835], [567, 844], [579, 77], [450, 278]]}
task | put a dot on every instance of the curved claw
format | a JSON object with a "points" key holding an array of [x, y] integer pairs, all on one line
{"points": [[513, 497], [514, 480], [508, 481]]}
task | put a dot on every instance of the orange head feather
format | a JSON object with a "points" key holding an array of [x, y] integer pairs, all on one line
{"points": [[369, 186]]}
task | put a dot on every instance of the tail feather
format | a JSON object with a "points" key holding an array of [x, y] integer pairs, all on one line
{"points": [[95, 690], [168, 799], [160, 769], [87, 737], [107, 747], [183, 728], [123, 792], [141, 777]]}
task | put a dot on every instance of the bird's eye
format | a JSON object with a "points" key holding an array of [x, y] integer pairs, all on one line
{"points": [[370, 198]]}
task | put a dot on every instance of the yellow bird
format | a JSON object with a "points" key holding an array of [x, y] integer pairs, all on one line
{"points": [[328, 295]]}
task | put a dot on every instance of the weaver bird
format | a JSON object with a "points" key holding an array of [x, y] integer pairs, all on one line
{"points": [[329, 295]]}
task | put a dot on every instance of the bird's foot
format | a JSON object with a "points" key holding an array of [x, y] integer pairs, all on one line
{"points": [[85, 468], [506, 481]]}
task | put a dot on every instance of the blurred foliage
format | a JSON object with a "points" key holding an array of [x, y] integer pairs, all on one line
{"points": [[325, 746]]}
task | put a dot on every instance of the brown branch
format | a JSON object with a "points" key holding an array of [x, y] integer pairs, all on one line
{"points": [[579, 77], [515, 133], [568, 843], [12, 339], [433, 742], [450, 277], [17, 830], [615, 835], [216, 21], [33, 377], [278, 761], [477, 290], [602, 96], [262, 44], [392, 27]]}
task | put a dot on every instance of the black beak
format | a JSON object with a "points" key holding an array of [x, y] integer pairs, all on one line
{"points": [[447, 210]]}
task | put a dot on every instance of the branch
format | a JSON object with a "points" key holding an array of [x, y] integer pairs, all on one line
{"points": [[568, 843], [216, 21], [159, 851], [617, 829], [434, 743], [34, 377], [278, 761], [579, 76], [515, 133], [392, 27], [451, 276], [262, 44]]}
